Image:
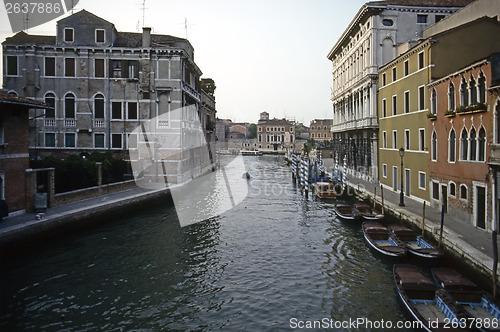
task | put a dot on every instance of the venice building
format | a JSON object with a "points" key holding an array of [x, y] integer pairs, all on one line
{"points": [[103, 84], [370, 41]]}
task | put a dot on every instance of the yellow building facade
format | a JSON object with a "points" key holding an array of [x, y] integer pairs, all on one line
{"points": [[403, 122]]}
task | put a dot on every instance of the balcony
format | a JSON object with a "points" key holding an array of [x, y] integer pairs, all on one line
{"points": [[50, 122], [98, 123], [70, 122]]}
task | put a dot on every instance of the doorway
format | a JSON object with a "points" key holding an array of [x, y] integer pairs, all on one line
{"points": [[481, 207], [407, 182], [444, 197]]}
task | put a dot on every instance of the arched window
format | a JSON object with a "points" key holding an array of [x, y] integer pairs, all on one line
{"points": [[482, 144], [473, 144], [452, 145], [50, 99], [434, 146], [473, 91], [99, 106], [69, 106], [464, 145], [464, 94], [453, 189], [463, 191], [451, 97], [434, 102], [482, 88]]}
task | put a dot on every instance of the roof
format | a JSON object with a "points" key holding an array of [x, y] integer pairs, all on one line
{"points": [[23, 38], [423, 3], [134, 39], [10, 98], [85, 17]]}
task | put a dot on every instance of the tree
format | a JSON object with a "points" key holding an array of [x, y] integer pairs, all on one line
{"points": [[252, 131]]}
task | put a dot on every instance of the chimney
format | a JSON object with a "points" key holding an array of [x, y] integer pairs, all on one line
{"points": [[146, 37]]}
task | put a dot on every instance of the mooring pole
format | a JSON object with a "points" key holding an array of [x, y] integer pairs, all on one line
{"points": [[495, 262], [382, 196], [423, 220], [375, 197], [442, 226]]}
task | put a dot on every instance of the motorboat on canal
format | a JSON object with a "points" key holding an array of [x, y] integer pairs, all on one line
{"points": [[415, 244], [474, 300], [324, 189], [379, 239], [426, 303], [345, 211], [367, 212], [251, 153]]}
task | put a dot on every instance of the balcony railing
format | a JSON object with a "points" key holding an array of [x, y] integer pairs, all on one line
{"points": [[50, 122], [70, 122], [98, 123]]}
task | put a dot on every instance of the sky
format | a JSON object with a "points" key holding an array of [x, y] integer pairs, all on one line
{"points": [[264, 55]]}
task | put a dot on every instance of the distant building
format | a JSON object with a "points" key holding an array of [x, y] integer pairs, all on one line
{"points": [[102, 83], [370, 41], [238, 131], [14, 149], [276, 135], [320, 129]]}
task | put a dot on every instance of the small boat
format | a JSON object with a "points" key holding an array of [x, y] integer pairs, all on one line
{"points": [[246, 175], [367, 212], [345, 211], [474, 300], [324, 189], [415, 244], [379, 238], [251, 153], [433, 308]]}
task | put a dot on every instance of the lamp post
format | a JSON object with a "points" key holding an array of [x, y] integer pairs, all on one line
{"points": [[401, 197]]}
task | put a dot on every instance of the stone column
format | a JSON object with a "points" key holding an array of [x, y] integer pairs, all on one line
{"points": [[99, 177], [51, 187]]}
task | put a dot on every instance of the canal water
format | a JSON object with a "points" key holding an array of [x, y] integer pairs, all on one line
{"points": [[274, 262]]}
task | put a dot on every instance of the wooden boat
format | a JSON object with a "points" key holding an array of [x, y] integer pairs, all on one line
{"points": [[379, 238], [433, 308], [474, 300], [324, 189], [345, 211], [367, 212], [251, 153], [415, 244]]}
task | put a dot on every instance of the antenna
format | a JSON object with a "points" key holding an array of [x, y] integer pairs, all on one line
{"points": [[143, 8], [186, 26]]}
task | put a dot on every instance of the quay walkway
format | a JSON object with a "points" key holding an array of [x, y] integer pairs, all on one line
{"points": [[23, 227], [475, 245]]}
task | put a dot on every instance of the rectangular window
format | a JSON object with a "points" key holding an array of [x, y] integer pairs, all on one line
{"points": [[383, 79], [69, 35], [132, 110], [132, 141], [133, 69], [394, 74], [421, 98], [99, 140], [394, 139], [50, 66], [407, 139], [116, 110], [99, 108], [70, 140], [384, 108], [12, 68], [50, 140], [421, 18], [407, 101], [99, 67], [116, 69], [99, 36], [116, 141], [421, 139], [420, 60], [407, 68], [421, 180], [384, 170], [394, 110], [69, 67], [384, 140], [439, 18], [435, 190]]}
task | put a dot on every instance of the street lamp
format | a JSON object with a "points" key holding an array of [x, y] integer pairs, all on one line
{"points": [[401, 197]]}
